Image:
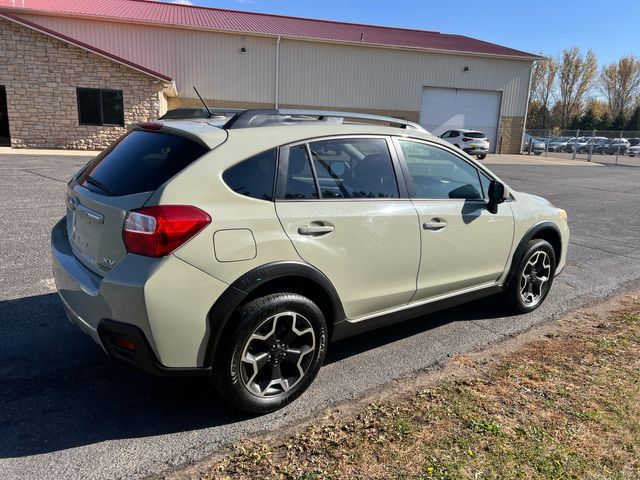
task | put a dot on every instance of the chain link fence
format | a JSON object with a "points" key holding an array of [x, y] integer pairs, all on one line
{"points": [[602, 146]]}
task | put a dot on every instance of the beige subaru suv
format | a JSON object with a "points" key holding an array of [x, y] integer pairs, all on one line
{"points": [[237, 246]]}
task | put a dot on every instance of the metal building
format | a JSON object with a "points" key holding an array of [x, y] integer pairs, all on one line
{"points": [[247, 60]]}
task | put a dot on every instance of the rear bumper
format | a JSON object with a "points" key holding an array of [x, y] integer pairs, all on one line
{"points": [[476, 151], [143, 357], [164, 303]]}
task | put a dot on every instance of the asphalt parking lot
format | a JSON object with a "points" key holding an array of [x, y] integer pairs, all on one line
{"points": [[66, 411]]}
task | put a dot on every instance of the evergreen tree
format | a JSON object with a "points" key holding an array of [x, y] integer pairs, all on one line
{"points": [[633, 124], [588, 120], [618, 122], [605, 122], [574, 124]]}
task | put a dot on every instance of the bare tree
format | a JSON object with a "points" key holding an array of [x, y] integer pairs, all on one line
{"points": [[575, 80], [543, 83], [620, 84]]}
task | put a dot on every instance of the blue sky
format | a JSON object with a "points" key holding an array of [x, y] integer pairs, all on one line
{"points": [[611, 29]]}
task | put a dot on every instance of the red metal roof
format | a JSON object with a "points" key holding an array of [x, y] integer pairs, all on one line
{"points": [[47, 31], [144, 11]]}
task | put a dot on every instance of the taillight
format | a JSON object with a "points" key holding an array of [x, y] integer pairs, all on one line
{"points": [[158, 231], [465, 139]]}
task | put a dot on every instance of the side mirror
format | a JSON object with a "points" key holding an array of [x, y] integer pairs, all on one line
{"points": [[496, 195]]}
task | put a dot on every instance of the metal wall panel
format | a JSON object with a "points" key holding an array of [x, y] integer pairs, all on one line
{"points": [[359, 77], [311, 73], [211, 61]]}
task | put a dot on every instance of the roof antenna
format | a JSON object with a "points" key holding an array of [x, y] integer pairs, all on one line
{"points": [[205, 105]]}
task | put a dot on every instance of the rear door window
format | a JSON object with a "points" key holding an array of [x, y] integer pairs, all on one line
{"points": [[140, 162], [354, 168], [300, 183]]}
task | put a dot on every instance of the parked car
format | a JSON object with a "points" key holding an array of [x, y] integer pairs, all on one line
{"points": [[576, 143], [537, 145], [237, 251], [616, 146], [600, 146], [586, 147], [559, 144], [634, 151], [633, 141], [472, 142]]}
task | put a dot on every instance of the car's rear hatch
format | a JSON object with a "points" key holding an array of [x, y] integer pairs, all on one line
{"points": [[476, 139], [120, 179]]}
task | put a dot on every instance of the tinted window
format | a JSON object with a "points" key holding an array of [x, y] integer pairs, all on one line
{"points": [[474, 134], [89, 106], [300, 183], [354, 168], [140, 162], [112, 108], [439, 174], [254, 176], [100, 106]]}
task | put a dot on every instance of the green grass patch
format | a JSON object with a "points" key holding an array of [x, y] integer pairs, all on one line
{"points": [[566, 406]]}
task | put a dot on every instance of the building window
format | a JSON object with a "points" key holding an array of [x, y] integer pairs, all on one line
{"points": [[97, 106]]}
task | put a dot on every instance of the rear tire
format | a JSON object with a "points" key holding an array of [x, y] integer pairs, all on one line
{"points": [[533, 277], [482, 157], [273, 354]]}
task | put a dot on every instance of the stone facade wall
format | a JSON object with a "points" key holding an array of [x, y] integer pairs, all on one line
{"points": [[41, 74], [510, 134]]}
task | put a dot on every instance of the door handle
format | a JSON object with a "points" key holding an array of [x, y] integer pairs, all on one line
{"points": [[315, 229], [434, 224]]}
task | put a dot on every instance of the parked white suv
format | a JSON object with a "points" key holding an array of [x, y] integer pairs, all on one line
{"points": [[472, 142]]}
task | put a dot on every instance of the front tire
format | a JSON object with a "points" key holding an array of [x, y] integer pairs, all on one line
{"points": [[482, 157], [273, 354], [533, 277]]}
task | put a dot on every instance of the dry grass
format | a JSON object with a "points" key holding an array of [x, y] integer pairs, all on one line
{"points": [[566, 405]]}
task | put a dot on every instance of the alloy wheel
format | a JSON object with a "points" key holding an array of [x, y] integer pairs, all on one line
{"points": [[277, 355], [534, 281]]}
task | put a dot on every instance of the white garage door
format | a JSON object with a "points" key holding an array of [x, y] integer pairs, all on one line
{"points": [[449, 108]]}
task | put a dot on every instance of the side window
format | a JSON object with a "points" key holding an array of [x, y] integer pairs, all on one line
{"points": [[253, 177], [300, 183], [439, 174], [354, 168]]}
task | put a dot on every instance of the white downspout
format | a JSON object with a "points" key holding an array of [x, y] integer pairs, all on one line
{"points": [[278, 72]]}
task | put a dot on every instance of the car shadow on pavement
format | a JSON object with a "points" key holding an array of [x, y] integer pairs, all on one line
{"points": [[58, 390], [484, 309]]}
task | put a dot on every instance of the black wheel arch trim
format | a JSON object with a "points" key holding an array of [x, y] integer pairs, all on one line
{"points": [[530, 235], [241, 288]]}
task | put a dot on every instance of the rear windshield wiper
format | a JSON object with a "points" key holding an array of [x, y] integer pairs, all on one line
{"points": [[97, 183]]}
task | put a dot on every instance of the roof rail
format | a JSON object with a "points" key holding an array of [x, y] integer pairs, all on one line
{"points": [[191, 113], [286, 116]]}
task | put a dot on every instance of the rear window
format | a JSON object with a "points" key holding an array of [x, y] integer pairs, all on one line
{"points": [[474, 134], [140, 162]]}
